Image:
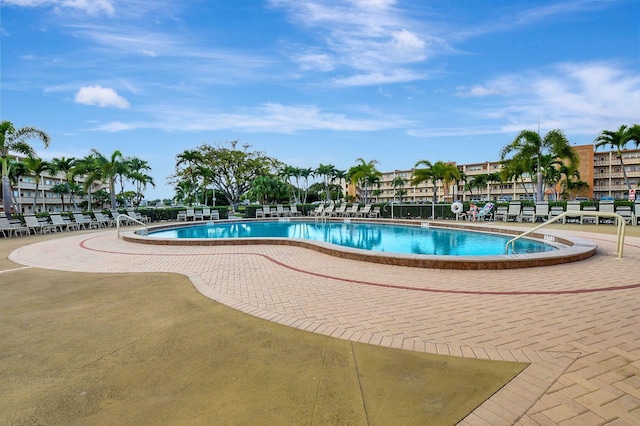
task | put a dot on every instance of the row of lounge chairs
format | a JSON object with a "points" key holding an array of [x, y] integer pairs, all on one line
{"points": [[343, 210], [278, 211], [56, 222], [542, 212], [193, 215]]}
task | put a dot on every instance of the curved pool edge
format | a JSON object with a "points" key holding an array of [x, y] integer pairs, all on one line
{"points": [[571, 249]]}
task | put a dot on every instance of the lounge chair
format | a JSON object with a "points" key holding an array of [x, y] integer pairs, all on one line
{"points": [[295, 211], [198, 215], [259, 213], [214, 215], [485, 212], [514, 212], [84, 221], [501, 213], [542, 211], [586, 218], [364, 211], [280, 210], [59, 223], [328, 210], [555, 211], [182, 216], [317, 211], [606, 206], [626, 213], [206, 213], [573, 213], [528, 214], [339, 212], [10, 229], [138, 216], [191, 214], [266, 210], [375, 212], [353, 210], [38, 227], [102, 220]]}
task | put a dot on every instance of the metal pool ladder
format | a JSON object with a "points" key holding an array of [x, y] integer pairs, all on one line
{"points": [[620, 221], [133, 219]]}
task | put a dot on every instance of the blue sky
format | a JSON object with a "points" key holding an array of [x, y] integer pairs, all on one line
{"points": [[316, 81]]}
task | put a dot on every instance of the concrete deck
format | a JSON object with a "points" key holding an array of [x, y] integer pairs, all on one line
{"points": [[577, 324]]}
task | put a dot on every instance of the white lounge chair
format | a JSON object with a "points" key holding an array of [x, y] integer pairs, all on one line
{"points": [[59, 223], [573, 213], [626, 213], [501, 213], [84, 221], [102, 220], [542, 211], [206, 213], [514, 212], [38, 227], [295, 211], [191, 214], [10, 229], [528, 214], [606, 206]]}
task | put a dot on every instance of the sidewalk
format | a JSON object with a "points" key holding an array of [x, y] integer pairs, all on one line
{"points": [[577, 324]]}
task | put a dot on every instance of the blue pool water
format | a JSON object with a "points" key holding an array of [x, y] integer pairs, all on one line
{"points": [[376, 237]]}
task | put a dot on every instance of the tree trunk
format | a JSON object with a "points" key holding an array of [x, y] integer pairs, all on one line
{"points": [[6, 196]]}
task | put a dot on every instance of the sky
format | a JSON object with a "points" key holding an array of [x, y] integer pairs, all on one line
{"points": [[313, 82]]}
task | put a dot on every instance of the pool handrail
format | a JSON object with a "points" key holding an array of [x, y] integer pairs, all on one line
{"points": [[133, 219], [620, 221]]}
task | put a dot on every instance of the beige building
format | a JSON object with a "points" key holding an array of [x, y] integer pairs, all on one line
{"points": [[600, 170]]}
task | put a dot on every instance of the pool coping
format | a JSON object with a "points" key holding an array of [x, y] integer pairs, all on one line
{"points": [[569, 250]]}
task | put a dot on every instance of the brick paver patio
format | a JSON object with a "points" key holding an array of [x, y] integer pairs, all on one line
{"points": [[578, 325]]}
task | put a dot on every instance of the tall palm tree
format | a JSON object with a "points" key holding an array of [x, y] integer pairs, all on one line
{"points": [[363, 175], [17, 169], [37, 166], [12, 139], [108, 170], [398, 185], [618, 140], [306, 173], [529, 144], [516, 168], [326, 171], [436, 172], [340, 176], [88, 168], [65, 166], [192, 158], [137, 173]]}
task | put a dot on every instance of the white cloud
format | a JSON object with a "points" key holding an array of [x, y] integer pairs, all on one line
{"points": [[100, 96], [269, 117], [92, 7]]}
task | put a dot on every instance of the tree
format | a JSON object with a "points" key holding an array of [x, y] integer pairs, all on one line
{"points": [[618, 140], [17, 169], [107, 171], [61, 189], [37, 166], [516, 168], [12, 139], [529, 144], [232, 169], [65, 166], [363, 175], [326, 171], [398, 184], [137, 173], [89, 168], [189, 162], [436, 172]]}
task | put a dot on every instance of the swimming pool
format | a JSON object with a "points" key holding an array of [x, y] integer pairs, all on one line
{"points": [[421, 253], [384, 238]]}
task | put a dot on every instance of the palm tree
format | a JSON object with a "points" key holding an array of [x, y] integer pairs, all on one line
{"points": [[37, 166], [61, 189], [529, 144], [65, 166], [12, 139], [516, 168], [108, 169], [17, 169], [89, 168], [339, 175], [436, 172], [137, 169], [326, 171], [364, 174], [398, 185], [618, 140], [192, 158]]}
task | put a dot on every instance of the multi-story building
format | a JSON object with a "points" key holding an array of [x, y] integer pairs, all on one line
{"points": [[24, 194], [602, 171]]}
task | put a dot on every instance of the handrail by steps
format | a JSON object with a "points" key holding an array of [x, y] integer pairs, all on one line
{"points": [[146, 228], [620, 222]]}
